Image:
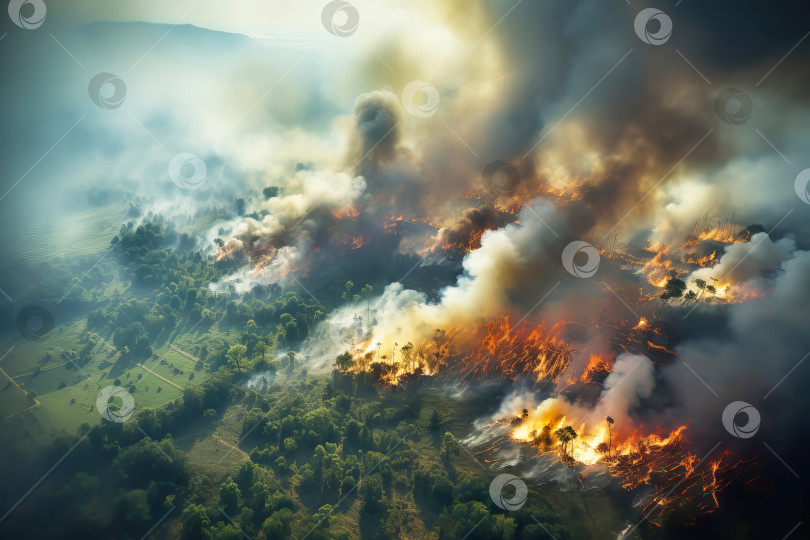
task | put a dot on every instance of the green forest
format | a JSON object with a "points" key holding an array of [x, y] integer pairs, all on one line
{"points": [[230, 436]]}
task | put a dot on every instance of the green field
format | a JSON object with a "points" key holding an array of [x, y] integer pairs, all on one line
{"points": [[67, 392]]}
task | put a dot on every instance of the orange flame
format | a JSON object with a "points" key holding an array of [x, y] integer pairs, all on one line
{"points": [[596, 364], [347, 212]]}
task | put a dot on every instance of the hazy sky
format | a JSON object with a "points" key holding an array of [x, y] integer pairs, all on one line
{"points": [[567, 92]]}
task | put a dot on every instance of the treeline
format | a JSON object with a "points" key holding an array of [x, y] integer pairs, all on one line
{"points": [[330, 457], [321, 449], [332, 444], [182, 297]]}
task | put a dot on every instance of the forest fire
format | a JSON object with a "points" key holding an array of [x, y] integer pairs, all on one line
{"points": [[347, 212], [493, 348], [724, 234], [593, 418], [467, 245], [514, 350], [442, 270], [506, 350], [691, 272], [706, 261], [590, 444], [596, 364], [355, 242], [659, 268], [660, 461]]}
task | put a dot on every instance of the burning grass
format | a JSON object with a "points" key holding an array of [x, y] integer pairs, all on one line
{"points": [[660, 466]]}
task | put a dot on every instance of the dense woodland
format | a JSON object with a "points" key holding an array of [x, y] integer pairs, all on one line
{"points": [[320, 455]]}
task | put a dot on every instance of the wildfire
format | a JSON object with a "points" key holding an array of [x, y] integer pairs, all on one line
{"points": [[596, 364], [707, 261], [592, 444], [522, 349], [660, 461], [469, 244], [355, 242], [736, 293], [659, 268], [495, 347], [503, 349], [707, 229], [724, 234], [347, 212], [667, 262]]}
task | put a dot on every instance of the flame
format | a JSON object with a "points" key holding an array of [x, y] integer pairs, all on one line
{"points": [[355, 242], [494, 347], [596, 364], [470, 244], [499, 347], [347, 212], [659, 268], [393, 224], [699, 249], [660, 460], [725, 234], [657, 459], [593, 444], [522, 349], [707, 261], [737, 293]]}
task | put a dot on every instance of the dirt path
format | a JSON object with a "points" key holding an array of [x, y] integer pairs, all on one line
{"points": [[161, 377], [229, 445], [20, 388], [21, 411], [40, 370], [107, 343], [184, 353]]}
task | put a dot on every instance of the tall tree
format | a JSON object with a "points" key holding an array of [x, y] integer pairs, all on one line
{"points": [[366, 292], [344, 361], [291, 357], [236, 354], [565, 435]]}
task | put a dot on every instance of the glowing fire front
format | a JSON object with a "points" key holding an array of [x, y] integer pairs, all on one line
{"points": [[660, 462], [603, 432]]}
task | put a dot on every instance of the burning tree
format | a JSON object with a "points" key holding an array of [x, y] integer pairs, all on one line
{"points": [[406, 354], [565, 435]]}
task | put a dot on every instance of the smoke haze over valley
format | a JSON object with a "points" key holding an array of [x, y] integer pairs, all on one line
{"points": [[405, 269]]}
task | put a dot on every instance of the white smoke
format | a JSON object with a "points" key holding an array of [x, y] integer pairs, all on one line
{"points": [[632, 379], [282, 241], [508, 258], [745, 263]]}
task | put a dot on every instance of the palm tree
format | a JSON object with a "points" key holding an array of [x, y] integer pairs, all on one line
{"points": [[291, 356], [406, 354], [610, 434], [565, 435], [367, 291]]}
